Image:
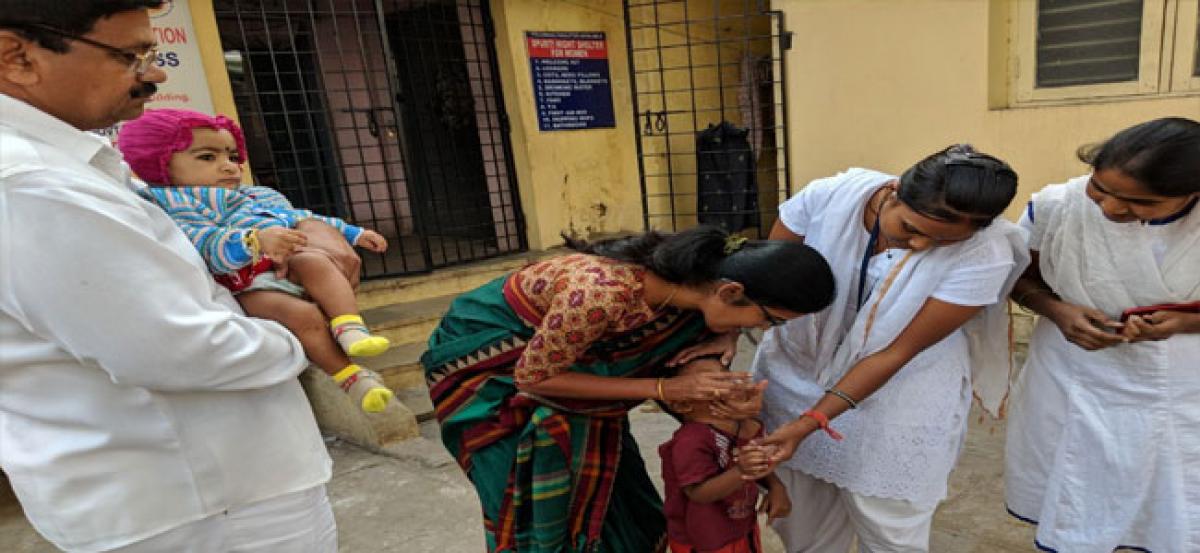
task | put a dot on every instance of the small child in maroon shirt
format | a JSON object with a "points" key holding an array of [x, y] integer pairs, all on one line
{"points": [[709, 507]]}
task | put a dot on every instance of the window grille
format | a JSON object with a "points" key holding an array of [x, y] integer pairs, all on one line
{"points": [[707, 78], [388, 114]]}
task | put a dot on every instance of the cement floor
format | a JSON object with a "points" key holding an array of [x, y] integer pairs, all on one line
{"points": [[419, 502], [416, 500]]}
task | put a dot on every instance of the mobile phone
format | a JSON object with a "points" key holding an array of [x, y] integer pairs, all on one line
{"points": [[1193, 307]]}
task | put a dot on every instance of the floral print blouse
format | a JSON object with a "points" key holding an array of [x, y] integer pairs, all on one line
{"points": [[583, 298]]}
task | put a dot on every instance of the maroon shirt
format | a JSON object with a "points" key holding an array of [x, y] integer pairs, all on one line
{"points": [[696, 453]]}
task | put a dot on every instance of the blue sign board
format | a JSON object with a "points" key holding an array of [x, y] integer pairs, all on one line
{"points": [[571, 84]]}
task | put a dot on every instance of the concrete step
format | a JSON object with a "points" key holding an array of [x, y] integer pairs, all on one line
{"points": [[405, 311], [431, 430], [401, 370], [407, 325], [455, 280], [338, 415], [408, 322]]}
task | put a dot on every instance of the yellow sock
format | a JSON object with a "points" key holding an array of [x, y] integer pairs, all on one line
{"points": [[355, 339], [343, 319], [376, 400], [345, 373], [364, 387]]}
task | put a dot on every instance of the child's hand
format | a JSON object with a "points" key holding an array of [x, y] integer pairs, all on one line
{"points": [[279, 243], [781, 444], [752, 461], [776, 504], [372, 241]]}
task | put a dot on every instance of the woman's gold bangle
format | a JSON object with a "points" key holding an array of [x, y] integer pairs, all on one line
{"points": [[661, 397]]}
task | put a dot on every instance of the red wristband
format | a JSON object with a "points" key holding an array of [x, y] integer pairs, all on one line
{"points": [[822, 422]]}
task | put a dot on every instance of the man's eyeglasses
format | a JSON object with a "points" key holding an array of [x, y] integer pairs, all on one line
{"points": [[140, 63], [772, 320]]}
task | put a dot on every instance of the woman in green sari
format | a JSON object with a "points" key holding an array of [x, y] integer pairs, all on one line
{"points": [[532, 375]]}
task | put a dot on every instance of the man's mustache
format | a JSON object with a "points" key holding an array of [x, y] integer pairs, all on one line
{"points": [[145, 91]]}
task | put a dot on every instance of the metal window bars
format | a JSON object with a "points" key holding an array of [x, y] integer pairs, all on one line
{"points": [[711, 111], [388, 114]]}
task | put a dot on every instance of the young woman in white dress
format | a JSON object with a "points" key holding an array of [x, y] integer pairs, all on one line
{"points": [[918, 261], [1103, 446]]}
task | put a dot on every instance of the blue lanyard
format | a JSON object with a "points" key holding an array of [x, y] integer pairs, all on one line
{"points": [[866, 260]]}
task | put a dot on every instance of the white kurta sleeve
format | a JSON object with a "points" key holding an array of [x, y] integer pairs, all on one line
{"points": [[1044, 206], [1026, 223], [113, 284], [799, 210], [978, 275]]}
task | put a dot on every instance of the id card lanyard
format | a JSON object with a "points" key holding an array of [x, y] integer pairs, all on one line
{"points": [[866, 261]]}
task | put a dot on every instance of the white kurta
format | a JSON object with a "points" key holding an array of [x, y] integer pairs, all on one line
{"points": [[903, 441], [1104, 447], [134, 395]]}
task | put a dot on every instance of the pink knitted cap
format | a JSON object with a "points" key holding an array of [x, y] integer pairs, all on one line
{"points": [[149, 141]]}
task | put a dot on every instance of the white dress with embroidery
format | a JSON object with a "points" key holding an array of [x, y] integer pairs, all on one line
{"points": [[903, 441]]}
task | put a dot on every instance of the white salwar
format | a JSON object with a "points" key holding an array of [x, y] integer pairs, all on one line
{"points": [[831, 519], [902, 442], [1104, 447]]}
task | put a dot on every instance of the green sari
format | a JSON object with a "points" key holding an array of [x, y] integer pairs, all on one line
{"points": [[552, 474]]}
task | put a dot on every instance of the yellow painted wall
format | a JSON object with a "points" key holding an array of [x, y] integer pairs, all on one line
{"points": [[882, 84], [581, 181], [213, 58]]}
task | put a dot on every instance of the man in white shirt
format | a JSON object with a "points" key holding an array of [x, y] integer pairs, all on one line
{"points": [[139, 409]]}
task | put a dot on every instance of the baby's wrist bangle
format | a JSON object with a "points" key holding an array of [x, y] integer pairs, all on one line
{"points": [[250, 239]]}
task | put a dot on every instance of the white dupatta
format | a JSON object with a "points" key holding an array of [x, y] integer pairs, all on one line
{"points": [[1092, 261]]}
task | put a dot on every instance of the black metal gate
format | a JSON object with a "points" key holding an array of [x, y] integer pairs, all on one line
{"points": [[711, 111], [387, 113]]}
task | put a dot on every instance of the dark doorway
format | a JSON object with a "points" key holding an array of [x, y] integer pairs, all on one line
{"points": [[440, 113]]}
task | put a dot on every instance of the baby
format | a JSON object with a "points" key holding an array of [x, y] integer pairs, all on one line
{"points": [[247, 236], [709, 505]]}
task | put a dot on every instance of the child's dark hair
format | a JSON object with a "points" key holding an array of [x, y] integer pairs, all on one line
{"points": [[1163, 155], [775, 273], [959, 183]]}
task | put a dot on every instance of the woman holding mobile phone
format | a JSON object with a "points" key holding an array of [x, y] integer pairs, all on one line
{"points": [[1103, 446]]}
